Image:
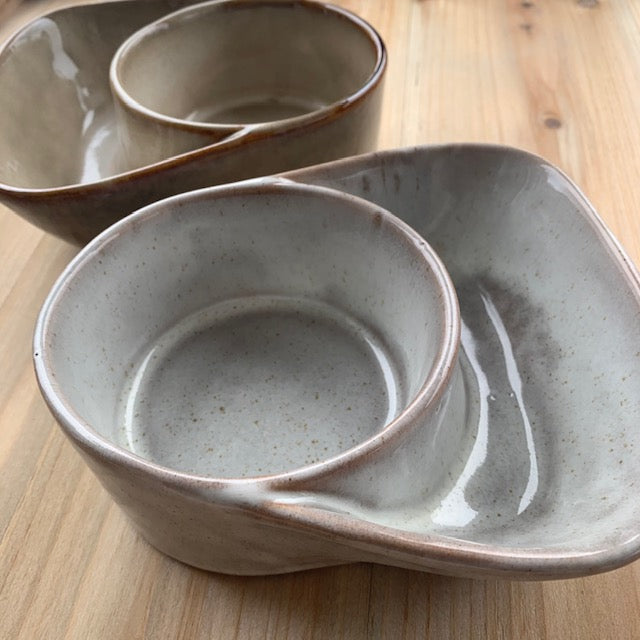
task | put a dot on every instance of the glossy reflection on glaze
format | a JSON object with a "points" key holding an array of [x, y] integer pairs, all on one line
{"points": [[549, 316], [62, 153], [55, 57]]}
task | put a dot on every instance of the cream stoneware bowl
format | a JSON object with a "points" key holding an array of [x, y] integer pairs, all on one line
{"points": [[269, 343], [235, 71], [62, 165], [544, 485]]}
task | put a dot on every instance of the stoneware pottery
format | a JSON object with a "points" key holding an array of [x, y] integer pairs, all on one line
{"points": [[240, 70], [541, 478], [235, 347], [62, 165]]}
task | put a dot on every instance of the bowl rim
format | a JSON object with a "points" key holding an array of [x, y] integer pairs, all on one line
{"points": [[177, 19], [435, 385]]}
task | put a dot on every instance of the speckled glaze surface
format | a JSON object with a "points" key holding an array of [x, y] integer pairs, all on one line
{"points": [[549, 309], [242, 69], [543, 482], [260, 340], [55, 94]]}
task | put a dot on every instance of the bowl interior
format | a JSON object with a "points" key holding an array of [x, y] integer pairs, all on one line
{"points": [[246, 331], [549, 310], [247, 62]]}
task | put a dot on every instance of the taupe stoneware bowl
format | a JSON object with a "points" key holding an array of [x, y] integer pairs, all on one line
{"points": [[546, 486], [240, 70], [225, 349], [61, 164]]}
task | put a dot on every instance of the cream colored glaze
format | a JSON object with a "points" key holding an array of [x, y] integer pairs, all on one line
{"points": [[169, 275], [54, 95], [238, 68], [547, 388]]}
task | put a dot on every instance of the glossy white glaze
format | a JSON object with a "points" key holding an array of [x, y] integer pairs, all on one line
{"points": [[254, 339], [547, 389]]}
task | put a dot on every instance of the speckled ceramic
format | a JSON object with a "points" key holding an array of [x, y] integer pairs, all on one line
{"points": [[550, 309], [222, 349], [545, 480], [240, 70], [61, 164]]}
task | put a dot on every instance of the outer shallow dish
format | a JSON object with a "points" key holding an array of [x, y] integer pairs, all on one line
{"points": [[547, 486], [61, 165]]}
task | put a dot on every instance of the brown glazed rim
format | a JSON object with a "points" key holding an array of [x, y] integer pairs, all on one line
{"points": [[242, 135], [424, 401], [225, 6]]}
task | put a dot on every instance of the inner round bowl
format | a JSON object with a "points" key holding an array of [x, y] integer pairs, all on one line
{"points": [[246, 62], [246, 331]]}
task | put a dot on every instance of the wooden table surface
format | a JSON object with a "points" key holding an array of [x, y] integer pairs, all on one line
{"points": [[558, 77]]}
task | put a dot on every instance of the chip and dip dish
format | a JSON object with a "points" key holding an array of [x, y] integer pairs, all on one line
{"points": [[538, 438], [467, 406]]}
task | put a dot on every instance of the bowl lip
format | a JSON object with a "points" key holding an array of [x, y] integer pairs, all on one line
{"points": [[178, 18], [424, 400]]}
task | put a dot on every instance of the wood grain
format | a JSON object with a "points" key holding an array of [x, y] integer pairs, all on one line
{"points": [[557, 77]]}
